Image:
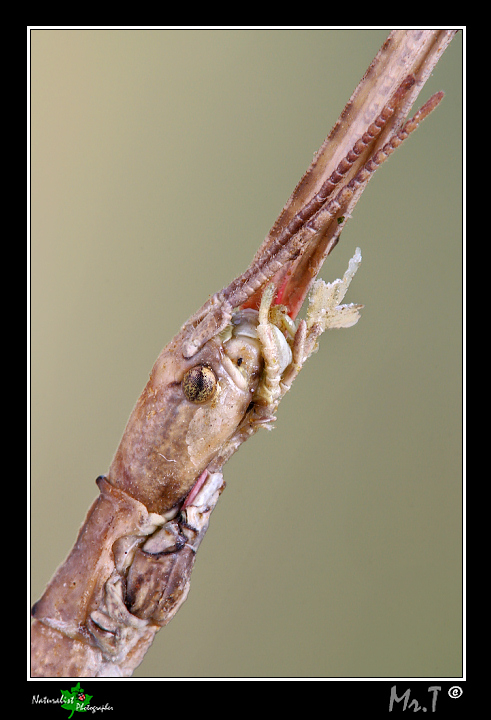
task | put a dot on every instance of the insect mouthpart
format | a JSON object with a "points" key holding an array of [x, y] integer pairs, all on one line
{"points": [[242, 358]]}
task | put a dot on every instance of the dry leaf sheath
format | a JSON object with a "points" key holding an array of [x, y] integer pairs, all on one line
{"points": [[216, 383]]}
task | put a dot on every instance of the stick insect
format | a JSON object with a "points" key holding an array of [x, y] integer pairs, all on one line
{"points": [[214, 386]]}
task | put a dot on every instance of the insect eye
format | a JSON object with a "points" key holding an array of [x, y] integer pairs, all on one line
{"points": [[199, 384]]}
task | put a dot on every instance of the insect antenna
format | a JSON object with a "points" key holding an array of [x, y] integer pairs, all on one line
{"points": [[310, 221], [258, 273], [337, 207], [381, 155]]}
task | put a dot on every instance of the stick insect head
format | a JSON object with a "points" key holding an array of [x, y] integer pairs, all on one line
{"points": [[187, 412]]}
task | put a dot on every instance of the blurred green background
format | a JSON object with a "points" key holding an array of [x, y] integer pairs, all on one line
{"points": [[160, 159]]}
